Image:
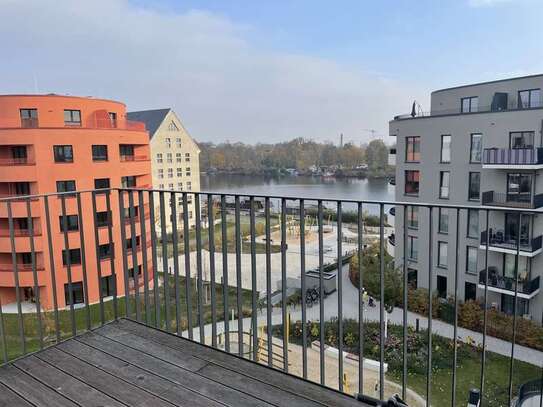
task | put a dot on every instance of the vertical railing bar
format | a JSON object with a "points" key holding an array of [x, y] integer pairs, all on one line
{"points": [[152, 225], [455, 332], [405, 302], [303, 289], [135, 265], [430, 281], [211, 237], [52, 265], [3, 335], [20, 318], [34, 270], [225, 286], [382, 301], [199, 273], [360, 220], [485, 310], [122, 227], [68, 261], [515, 301], [186, 248], [144, 260], [98, 261], [284, 310], [165, 271], [339, 224], [83, 260], [321, 292], [268, 282], [254, 316], [238, 275], [112, 256], [175, 242]]}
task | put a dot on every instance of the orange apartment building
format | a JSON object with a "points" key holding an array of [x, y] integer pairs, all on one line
{"points": [[53, 143]]}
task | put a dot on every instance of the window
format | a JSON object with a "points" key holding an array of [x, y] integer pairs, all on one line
{"points": [[187, 170], [509, 266], [178, 157], [521, 139], [446, 149], [473, 223], [179, 200], [471, 259], [474, 186], [189, 187], [102, 219], [160, 174], [72, 223], [104, 251], [476, 148], [126, 150], [63, 154], [442, 286], [168, 142], [131, 212], [529, 98], [170, 172], [180, 186], [29, 118], [178, 142], [412, 278], [470, 292], [99, 153], [26, 257], [412, 149], [128, 181], [22, 188], [187, 157], [131, 271], [170, 186], [412, 178], [172, 127], [161, 186], [129, 243], [443, 220], [101, 183], [19, 153], [469, 104], [74, 257], [413, 217], [442, 260], [169, 159], [77, 293], [412, 248], [519, 187], [66, 186], [72, 117], [444, 184], [108, 286], [159, 158], [190, 214], [112, 119], [179, 172]]}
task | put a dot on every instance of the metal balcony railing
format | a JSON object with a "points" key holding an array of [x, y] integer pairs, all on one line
{"points": [[502, 240], [238, 278], [92, 123], [530, 393], [528, 201], [508, 283], [515, 156]]}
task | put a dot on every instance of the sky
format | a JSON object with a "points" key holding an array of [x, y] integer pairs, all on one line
{"points": [[267, 70]]}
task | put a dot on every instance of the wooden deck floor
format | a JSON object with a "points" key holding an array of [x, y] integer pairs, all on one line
{"points": [[128, 364]]}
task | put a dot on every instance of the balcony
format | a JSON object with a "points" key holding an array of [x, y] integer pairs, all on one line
{"points": [[16, 161], [134, 158], [96, 123], [518, 158], [502, 243], [526, 201], [526, 289]]}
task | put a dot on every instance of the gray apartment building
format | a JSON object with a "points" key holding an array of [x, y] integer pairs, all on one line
{"points": [[480, 145]]}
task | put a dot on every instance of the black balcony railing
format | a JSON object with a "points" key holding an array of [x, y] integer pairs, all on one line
{"points": [[516, 156], [528, 201], [182, 281], [508, 283], [502, 240]]}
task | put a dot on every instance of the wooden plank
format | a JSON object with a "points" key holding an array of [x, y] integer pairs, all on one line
{"points": [[116, 388], [11, 399], [173, 393], [169, 371], [32, 390], [65, 384], [289, 383]]}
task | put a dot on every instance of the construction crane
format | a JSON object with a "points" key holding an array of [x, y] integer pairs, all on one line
{"points": [[373, 133]]}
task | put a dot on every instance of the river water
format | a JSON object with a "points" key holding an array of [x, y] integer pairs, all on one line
{"points": [[302, 186]]}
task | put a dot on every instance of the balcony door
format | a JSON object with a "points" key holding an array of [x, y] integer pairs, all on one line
{"points": [[512, 229], [519, 187], [521, 139], [18, 152]]}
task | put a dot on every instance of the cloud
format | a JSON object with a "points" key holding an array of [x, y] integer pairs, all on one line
{"points": [[487, 3], [205, 66]]}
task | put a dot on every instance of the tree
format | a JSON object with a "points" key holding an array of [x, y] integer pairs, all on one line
{"points": [[377, 158]]}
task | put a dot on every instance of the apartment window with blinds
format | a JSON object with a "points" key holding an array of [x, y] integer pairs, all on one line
{"points": [[412, 248], [444, 184], [99, 152], [63, 154], [412, 179], [443, 220], [413, 217], [469, 104], [473, 223], [529, 98], [442, 260], [471, 259], [66, 186], [445, 149], [476, 148], [412, 150], [159, 158], [72, 117], [474, 186]]}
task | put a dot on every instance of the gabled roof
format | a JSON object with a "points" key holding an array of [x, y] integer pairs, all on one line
{"points": [[152, 118]]}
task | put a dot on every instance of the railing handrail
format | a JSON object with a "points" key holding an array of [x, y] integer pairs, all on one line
{"points": [[92, 124], [513, 156]]}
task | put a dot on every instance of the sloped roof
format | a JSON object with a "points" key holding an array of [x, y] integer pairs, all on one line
{"points": [[151, 118]]}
